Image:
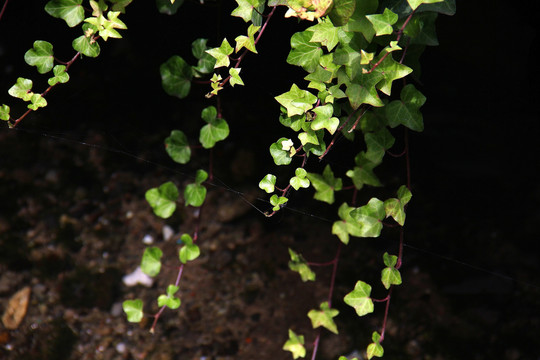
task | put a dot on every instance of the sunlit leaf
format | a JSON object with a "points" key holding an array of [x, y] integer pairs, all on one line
{"points": [[268, 183], [324, 317], [360, 299], [296, 101], [40, 56], [300, 265], [71, 11], [163, 199], [295, 344], [151, 261], [133, 310]]}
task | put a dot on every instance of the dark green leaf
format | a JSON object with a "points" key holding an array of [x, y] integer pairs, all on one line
{"points": [[406, 111], [325, 185], [342, 11], [177, 147], [71, 11], [176, 77], [165, 6], [281, 156], [214, 131]]}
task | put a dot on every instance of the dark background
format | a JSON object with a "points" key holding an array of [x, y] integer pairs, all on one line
{"points": [[473, 220]]}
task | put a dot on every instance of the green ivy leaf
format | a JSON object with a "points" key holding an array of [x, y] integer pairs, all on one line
{"points": [[247, 41], [60, 75], [382, 23], [362, 174], [235, 77], [396, 207], [151, 261], [406, 111], [299, 181], [325, 33], [277, 202], [295, 344], [446, 7], [347, 225], [195, 194], [303, 52], [421, 29], [300, 265], [281, 156], [21, 89], [133, 310], [296, 101], [342, 11], [176, 77], [71, 11], [221, 54], [86, 46], [377, 144], [177, 147], [40, 56], [4, 112], [360, 299], [363, 91], [390, 275], [325, 185], [189, 251], [216, 130], [268, 183], [169, 299], [168, 7], [324, 119], [163, 199], [416, 3], [324, 317], [375, 348], [37, 101], [206, 62], [390, 70], [245, 9], [370, 217]]}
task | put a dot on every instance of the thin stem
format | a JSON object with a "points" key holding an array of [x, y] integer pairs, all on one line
{"points": [[3, 8], [386, 313]]}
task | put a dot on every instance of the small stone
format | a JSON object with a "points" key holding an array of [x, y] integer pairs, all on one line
{"points": [[148, 239], [121, 347], [137, 277], [168, 232], [16, 309]]}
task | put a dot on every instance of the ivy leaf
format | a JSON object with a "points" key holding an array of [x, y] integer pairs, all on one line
{"points": [[37, 101], [406, 111], [60, 75], [221, 54], [21, 89], [362, 174], [324, 119], [168, 7], [370, 217], [189, 251], [342, 11], [377, 144], [163, 199], [390, 70], [390, 275], [308, 137], [40, 56], [360, 299], [325, 185], [195, 193], [215, 130], [363, 91], [133, 310], [396, 207], [421, 29], [177, 147], [247, 41], [416, 3], [280, 156], [299, 181], [71, 11], [169, 299], [206, 62], [325, 33], [176, 77], [324, 317], [245, 9], [382, 23], [235, 77], [375, 348], [295, 344], [268, 183], [86, 46], [446, 7], [151, 261], [296, 101], [277, 202], [303, 52], [4, 112], [347, 225], [300, 265]]}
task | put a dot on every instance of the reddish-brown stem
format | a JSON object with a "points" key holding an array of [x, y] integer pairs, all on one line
{"points": [[160, 311], [3, 8], [386, 313], [338, 131]]}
